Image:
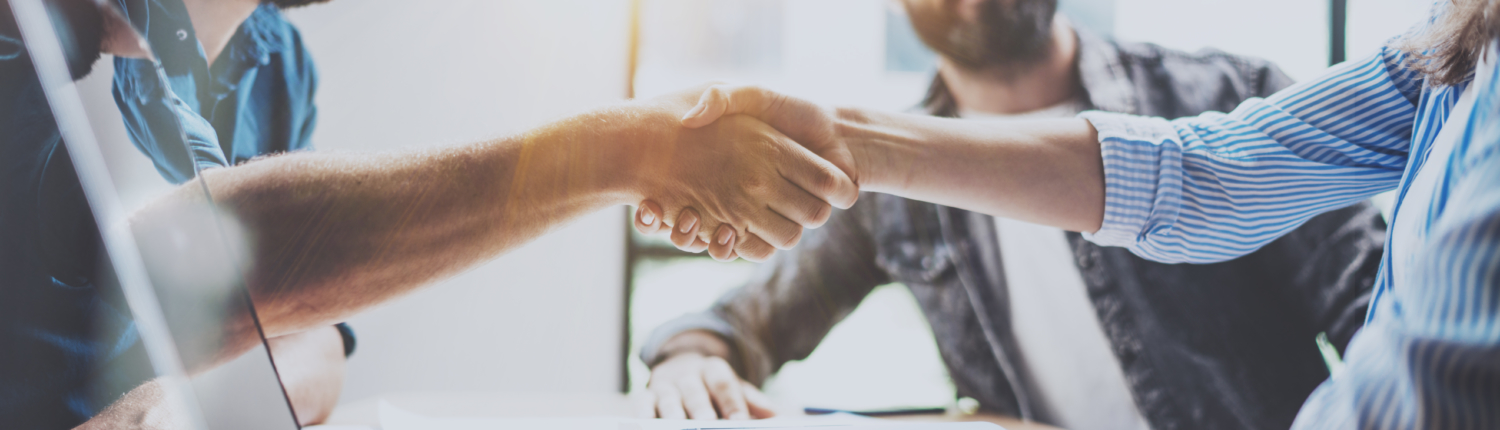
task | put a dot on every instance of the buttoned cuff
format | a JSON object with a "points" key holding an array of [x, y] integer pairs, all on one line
{"points": [[1140, 184]]}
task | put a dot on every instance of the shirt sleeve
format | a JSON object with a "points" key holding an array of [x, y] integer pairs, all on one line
{"points": [[1433, 359], [1217, 186]]}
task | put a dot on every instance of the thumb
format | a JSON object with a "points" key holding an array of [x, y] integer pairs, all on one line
{"points": [[722, 100], [711, 106]]}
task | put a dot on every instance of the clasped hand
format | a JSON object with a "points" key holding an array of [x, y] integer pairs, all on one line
{"points": [[787, 162]]}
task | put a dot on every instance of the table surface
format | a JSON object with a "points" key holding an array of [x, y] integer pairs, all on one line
{"points": [[365, 413]]}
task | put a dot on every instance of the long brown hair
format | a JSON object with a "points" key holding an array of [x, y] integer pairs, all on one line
{"points": [[1448, 51]]}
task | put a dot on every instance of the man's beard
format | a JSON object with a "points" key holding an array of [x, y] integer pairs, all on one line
{"points": [[288, 4], [1011, 33]]}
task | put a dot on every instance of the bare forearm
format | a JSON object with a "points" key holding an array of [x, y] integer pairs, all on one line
{"points": [[1046, 172], [338, 233]]}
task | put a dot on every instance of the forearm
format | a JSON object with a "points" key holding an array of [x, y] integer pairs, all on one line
{"points": [[1046, 172], [337, 233]]}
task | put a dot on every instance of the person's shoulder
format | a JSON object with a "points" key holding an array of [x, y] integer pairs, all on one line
{"points": [[1200, 61], [1210, 79]]}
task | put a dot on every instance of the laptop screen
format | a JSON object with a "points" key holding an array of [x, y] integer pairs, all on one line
{"points": [[169, 258]]}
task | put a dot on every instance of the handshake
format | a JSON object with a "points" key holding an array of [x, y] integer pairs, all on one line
{"points": [[747, 170]]}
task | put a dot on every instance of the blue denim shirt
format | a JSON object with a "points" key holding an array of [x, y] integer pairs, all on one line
{"points": [[256, 99], [69, 348]]}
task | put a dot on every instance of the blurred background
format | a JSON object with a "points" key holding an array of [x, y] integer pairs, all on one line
{"points": [[565, 313]]}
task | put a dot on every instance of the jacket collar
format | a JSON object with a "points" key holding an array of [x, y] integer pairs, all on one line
{"points": [[169, 30], [1104, 77], [259, 36]]}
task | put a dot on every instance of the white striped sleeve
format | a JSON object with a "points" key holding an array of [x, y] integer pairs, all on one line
{"points": [[1217, 186]]}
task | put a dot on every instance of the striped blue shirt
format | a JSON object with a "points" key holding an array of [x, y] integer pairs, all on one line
{"points": [[1217, 186]]}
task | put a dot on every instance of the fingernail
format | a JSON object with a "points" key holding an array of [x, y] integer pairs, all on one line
{"points": [[693, 112], [724, 236], [648, 217], [688, 226]]}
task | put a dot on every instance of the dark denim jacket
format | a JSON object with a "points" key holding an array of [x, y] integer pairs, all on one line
{"points": [[1216, 346]]}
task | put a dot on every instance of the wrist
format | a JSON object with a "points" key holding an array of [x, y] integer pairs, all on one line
{"points": [[622, 139], [858, 131], [692, 342], [639, 132]]}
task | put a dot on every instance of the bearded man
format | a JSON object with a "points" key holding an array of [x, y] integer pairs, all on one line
{"points": [[1030, 320]]}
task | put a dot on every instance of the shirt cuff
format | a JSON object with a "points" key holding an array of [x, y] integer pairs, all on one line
{"points": [[1135, 151], [651, 352]]}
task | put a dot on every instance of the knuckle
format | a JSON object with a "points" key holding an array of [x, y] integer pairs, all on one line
{"points": [[825, 180], [790, 238], [755, 252], [820, 214], [720, 385], [755, 185]]}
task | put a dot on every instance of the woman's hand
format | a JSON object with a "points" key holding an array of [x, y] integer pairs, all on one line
{"points": [[807, 124]]}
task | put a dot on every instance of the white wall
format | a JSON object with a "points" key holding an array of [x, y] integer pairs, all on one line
{"points": [[1292, 33], [1373, 22], [832, 52], [419, 73]]}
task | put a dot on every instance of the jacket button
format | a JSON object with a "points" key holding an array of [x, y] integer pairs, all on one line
{"points": [[181, 34]]}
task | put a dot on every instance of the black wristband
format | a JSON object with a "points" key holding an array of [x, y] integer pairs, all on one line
{"points": [[348, 335]]}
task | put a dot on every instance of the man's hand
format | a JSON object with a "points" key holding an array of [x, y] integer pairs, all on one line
{"points": [[812, 126], [753, 188], [692, 385], [808, 124]]}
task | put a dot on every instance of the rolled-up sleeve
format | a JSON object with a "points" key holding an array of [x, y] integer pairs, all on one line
{"points": [[1217, 186]]}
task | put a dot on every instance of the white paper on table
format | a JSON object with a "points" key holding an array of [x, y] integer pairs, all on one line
{"points": [[394, 418]]}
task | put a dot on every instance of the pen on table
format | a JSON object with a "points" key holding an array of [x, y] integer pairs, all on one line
{"points": [[877, 412]]}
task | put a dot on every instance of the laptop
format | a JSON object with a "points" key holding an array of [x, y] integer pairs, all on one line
{"points": [[180, 274]]}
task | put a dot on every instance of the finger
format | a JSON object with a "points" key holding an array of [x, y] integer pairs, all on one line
{"points": [[775, 229], [795, 204], [760, 406], [648, 218], [695, 399], [753, 248], [644, 403], [724, 386], [721, 100], [698, 245], [669, 403], [722, 248], [685, 231], [818, 176], [710, 107]]}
